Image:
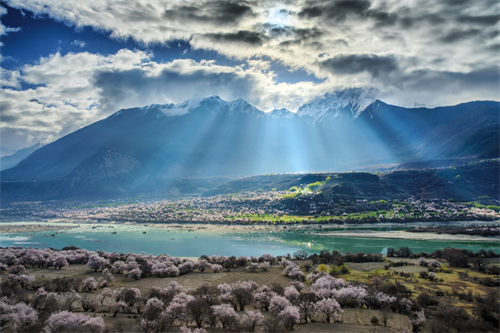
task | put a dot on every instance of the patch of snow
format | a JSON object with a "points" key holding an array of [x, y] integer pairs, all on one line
{"points": [[346, 103], [172, 110], [280, 113]]}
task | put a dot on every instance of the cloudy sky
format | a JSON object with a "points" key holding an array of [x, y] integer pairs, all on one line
{"points": [[67, 63]]}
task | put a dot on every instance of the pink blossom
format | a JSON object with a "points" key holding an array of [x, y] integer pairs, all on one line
{"points": [[225, 313], [16, 315], [106, 292], [118, 267], [264, 265], [184, 329], [119, 307], [252, 266], [23, 280], [290, 316], [96, 262], [202, 265], [297, 285], [251, 319], [40, 292], [128, 295], [278, 304], [135, 274], [186, 267], [71, 322], [88, 285], [330, 308], [247, 285], [358, 293], [59, 262], [216, 268], [292, 294], [177, 309], [153, 309], [418, 319]]}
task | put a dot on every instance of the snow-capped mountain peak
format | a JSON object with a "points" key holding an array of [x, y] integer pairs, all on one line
{"points": [[281, 113], [349, 103]]}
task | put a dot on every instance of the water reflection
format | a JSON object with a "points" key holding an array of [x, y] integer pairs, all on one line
{"points": [[130, 238]]}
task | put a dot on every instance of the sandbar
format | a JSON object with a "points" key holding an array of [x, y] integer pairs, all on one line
{"points": [[412, 235]]}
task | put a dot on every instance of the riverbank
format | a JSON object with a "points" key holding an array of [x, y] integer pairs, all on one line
{"points": [[29, 225], [413, 236], [31, 228]]}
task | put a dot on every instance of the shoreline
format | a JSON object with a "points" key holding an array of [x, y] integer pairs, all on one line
{"points": [[329, 229], [413, 236]]}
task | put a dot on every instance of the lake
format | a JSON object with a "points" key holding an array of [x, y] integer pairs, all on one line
{"points": [[130, 238]]}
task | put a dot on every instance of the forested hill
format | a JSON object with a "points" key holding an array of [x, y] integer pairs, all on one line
{"points": [[462, 183]]}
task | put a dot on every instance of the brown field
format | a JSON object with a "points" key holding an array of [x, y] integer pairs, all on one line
{"points": [[353, 320]]}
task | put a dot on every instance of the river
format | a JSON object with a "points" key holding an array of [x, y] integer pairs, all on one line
{"points": [[178, 242]]}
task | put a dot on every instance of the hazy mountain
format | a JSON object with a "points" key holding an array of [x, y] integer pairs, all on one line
{"points": [[10, 161], [212, 137], [4, 151]]}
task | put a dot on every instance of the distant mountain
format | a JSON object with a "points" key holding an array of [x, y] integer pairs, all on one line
{"points": [[4, 151], [211, 137], [346, 104], [10, 161]]}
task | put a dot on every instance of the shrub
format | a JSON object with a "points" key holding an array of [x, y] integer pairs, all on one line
{"points": [[344, 269], [301, 254], [352, 303]]}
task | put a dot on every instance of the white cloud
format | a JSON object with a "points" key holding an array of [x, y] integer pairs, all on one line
{"points": [[422, 35], [78, 43], [3, 29], [412, 51], [77, 89]]}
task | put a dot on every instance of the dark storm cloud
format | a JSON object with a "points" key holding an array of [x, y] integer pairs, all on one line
{"points": [[434, 19], [431, 80], [494, 48], [358, 63], [136, 86], [293, 34], [10, 118], [243, 36], [383, 18], [455, 36], [337, 10], [219, 12], [455, 2], [482, 20]]}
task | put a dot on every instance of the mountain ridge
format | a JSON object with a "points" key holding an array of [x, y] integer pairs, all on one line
{"points": [[210, 137]]}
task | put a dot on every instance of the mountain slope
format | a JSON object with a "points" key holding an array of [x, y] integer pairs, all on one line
{"points": [[10, 161], [212, 137]]}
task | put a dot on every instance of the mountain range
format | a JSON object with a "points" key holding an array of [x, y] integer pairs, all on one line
{"points": [[7, 162], [211, 137]]}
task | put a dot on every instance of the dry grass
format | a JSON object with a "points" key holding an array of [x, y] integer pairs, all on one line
{"points": [[355, 320]]}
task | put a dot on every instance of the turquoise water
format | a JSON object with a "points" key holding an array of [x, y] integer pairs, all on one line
{"points": [[130, 238]]}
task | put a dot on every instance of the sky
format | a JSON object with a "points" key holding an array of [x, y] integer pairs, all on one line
{"points": [[65, 64]]}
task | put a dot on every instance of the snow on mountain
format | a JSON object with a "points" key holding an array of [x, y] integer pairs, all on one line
{"points": [[171, 110], [281, 113], [348, 103], [212, 104], [240, 105]]}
